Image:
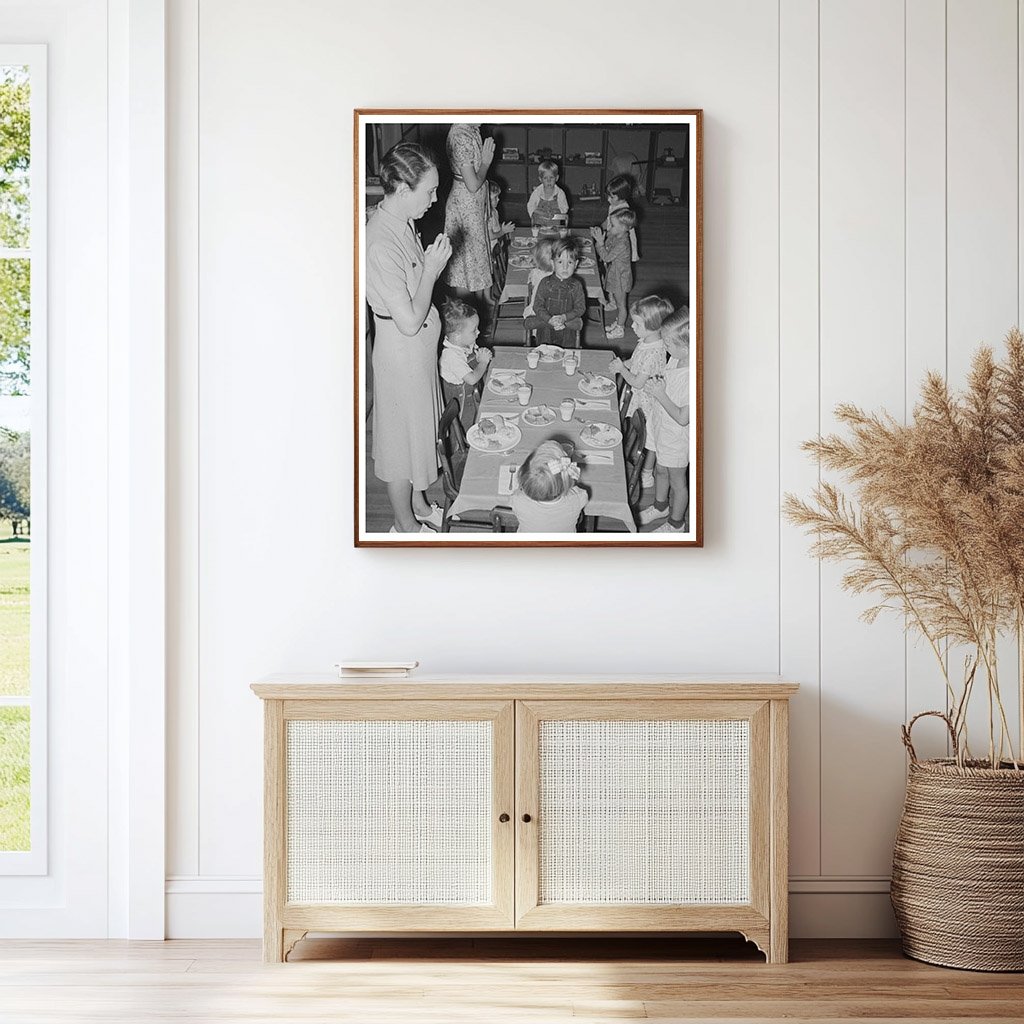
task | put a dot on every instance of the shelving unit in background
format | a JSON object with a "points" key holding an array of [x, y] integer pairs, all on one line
{"points": [[638, 151], [669, 162], [585, 175], [512, 174], [613, 151]]}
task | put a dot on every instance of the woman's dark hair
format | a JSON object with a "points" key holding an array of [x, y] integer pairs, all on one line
{"points": [[621, 186], [407, 162]]}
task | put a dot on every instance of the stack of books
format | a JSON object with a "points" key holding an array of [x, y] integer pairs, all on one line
{"points": [[375, 669]]}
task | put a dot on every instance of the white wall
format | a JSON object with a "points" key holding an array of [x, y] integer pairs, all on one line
{"points": [[861, 224]]}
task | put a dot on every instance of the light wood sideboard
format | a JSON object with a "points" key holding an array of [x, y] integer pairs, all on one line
{"points": [[530, 804]]}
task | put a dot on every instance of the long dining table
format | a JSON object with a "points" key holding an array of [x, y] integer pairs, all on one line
{"points": [[487, 476]]}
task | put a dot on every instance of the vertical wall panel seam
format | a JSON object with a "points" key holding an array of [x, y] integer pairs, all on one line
{"points": [[817, 214], [778, 303], [106, 39], [198, 438], [906, 348], [945, 247]]}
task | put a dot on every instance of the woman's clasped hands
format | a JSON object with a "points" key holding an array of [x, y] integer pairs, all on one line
{"points": [[437, 254]]}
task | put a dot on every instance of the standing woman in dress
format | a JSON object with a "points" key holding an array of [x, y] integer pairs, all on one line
{"points": [[466, 213], [400, 277]]}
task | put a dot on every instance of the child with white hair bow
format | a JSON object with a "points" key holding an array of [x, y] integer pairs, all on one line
{"points": [[548, 499]]}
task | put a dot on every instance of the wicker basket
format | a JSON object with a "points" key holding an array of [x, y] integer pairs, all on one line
{"points": [[958, 865]]}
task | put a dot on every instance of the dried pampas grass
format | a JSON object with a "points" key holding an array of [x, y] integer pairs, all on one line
{"points": [[936, 531]]}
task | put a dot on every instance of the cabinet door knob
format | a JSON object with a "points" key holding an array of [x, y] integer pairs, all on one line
{"points": [[527, 818], [503, 818]]}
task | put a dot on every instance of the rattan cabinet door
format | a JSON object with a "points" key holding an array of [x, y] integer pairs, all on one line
{"points": [[397, 815], [646, 815]]}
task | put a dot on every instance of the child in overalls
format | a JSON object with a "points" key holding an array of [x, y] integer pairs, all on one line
{"points": [[547, 200]]}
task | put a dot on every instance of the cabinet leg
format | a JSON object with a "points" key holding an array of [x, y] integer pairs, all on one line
{"points": [[761, 938], [779, 951], [289, 938], [273, 944], [279, 942]]}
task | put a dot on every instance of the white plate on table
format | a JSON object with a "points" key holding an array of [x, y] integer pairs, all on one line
{"points": [[521, 261], [597, 386], [539, 415], [503, 440], [600, 435], [521, 242], [504, 382], [587, 263], [551, 353]]}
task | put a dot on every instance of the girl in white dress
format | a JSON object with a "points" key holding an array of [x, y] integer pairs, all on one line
{"points": [[648, 360], [670, 425]]}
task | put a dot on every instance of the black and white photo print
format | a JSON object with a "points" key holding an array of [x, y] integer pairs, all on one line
{"points": [[528, 328]]}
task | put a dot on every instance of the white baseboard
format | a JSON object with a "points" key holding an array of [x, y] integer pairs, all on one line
{"points": [[217, 907], [214, 907]]}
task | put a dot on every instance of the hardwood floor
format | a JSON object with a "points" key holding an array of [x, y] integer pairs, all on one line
{"points": [[517, 978]]}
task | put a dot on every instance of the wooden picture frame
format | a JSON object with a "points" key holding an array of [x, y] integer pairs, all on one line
{"points": [[661, 152]]}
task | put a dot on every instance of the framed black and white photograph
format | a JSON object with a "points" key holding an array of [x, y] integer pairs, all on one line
{"points": [[528, 328]]}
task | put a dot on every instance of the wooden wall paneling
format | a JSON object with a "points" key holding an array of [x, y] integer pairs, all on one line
{"points": [[800, 585], [983, 217], [925, 284], [862, 361]]}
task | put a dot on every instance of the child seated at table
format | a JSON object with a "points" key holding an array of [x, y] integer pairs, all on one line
{"points": [[560, 301], [541, 268], [670, 427], [615, 252], [648, 360], [462, 363], [495, 228], [547, 201], [547, 499]]}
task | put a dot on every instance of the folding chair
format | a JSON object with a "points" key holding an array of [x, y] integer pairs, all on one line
{"points": [[634, 449], [503, 520], [510, 309], [625, 400], [452, 450]]}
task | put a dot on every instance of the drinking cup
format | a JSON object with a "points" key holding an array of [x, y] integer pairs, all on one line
{"points": [[570, 364], [567, 408], [524, 393], [532, 358]]}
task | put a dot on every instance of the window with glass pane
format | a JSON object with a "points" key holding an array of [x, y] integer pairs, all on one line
{"points": [[16, 250]]}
